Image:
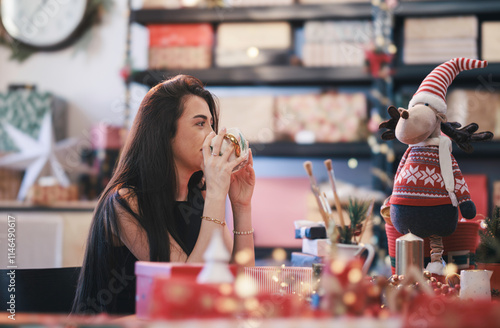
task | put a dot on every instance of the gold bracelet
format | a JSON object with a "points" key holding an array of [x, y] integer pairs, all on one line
{"points": [[222, 223], [243, 232]]}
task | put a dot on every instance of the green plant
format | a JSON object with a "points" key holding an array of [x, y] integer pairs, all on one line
{"points": [[359, 213], [488, 250]]}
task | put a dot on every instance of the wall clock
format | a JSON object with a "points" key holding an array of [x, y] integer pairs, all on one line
{"points": [[43, 24], [28, 26]]}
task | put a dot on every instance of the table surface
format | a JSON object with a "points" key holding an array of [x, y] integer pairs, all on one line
{"points": [[58, 320]]}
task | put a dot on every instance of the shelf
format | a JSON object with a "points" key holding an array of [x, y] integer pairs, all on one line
{"points": [[291, 149], [278, 13], [416, 73], [446, 8], [482, 150], [268, 75], [72, 206]]}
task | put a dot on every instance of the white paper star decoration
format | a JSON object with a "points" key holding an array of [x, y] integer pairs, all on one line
{"points": [[36, 154]]}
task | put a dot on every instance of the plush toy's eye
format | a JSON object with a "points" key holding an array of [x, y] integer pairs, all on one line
{"points": [[426, 104]]}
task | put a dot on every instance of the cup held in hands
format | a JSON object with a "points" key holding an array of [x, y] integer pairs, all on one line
{"points": [[234, 137]]}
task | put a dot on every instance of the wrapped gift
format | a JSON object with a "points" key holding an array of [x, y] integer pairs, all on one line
{"points": [[199, 57], [250, 44], [490, 32], [335, 43], [481, 107], [161, 4], [174, 46], [437, 39], [181, 298], [329, 117], [252, 115], [180, 35], [146, 272], [272, 35]]}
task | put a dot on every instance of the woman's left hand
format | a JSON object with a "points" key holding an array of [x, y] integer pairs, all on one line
{"points": [[242, 184]]}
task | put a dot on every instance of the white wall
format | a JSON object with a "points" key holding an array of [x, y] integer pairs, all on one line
{"points": [[88, 79]]}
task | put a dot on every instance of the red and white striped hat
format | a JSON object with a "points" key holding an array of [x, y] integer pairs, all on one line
{"points": [[434, 86]]}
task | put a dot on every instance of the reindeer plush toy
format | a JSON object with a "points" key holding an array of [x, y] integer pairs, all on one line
{"points": [[428, 186]]}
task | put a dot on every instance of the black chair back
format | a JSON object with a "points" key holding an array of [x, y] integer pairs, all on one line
{"points": [[39, 290]]}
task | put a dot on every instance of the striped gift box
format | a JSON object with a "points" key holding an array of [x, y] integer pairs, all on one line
{"points": [[282, 280]]}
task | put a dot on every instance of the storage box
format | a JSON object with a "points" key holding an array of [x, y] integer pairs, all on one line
{"points": [[237, 36], [459, 247], [491, 41], [147, 271], [180, 46], [254, 116], [171, 35], [182, 299], [328, 117], [191, 57]]}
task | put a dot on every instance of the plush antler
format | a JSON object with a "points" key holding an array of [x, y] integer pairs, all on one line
{"points": [[390, 125], [464, 136]]}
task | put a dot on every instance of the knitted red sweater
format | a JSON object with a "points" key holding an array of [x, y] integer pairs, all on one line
{"points": [[418, 181]]}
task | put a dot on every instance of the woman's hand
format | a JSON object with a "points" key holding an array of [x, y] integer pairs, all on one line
{"points": [[242, 184], [217, 169]]}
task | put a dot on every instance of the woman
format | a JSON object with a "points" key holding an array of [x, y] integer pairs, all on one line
{"points": [[166, 197]]}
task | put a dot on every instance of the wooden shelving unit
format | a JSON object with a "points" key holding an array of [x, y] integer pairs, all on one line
{"points": [[292, 13], [325, 76], [264, 75]]}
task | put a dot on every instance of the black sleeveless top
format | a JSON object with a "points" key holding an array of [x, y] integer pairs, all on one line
{"points": [[187, 215]]}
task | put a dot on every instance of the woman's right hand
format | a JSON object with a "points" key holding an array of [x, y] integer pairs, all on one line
{"points": [[217, 169]]}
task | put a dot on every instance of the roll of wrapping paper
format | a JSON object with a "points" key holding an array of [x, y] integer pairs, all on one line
{"points": [[409, 253]]}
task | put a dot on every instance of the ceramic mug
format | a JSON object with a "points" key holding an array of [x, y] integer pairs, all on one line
{"points": [[234, 137], [347, 252], [475, 284]]}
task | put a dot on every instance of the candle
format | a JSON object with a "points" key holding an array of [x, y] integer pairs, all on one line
{"points": [[409, 253]]}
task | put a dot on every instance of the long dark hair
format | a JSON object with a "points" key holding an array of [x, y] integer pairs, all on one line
{"points": [[146, 167]]}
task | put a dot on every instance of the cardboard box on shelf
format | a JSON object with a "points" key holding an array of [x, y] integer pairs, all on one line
{"points": [[252, 115], [163, 35], [199, 57], [335, 43], [481, 107], [161, 4], [437, 39], [490, 42], [441, 27], [176, 46], [237, 36], [251, 44], [329, 117]]}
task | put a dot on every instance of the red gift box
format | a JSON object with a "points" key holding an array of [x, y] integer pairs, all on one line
{"points": [[146, 272], [168, 35], [182, 298]]}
